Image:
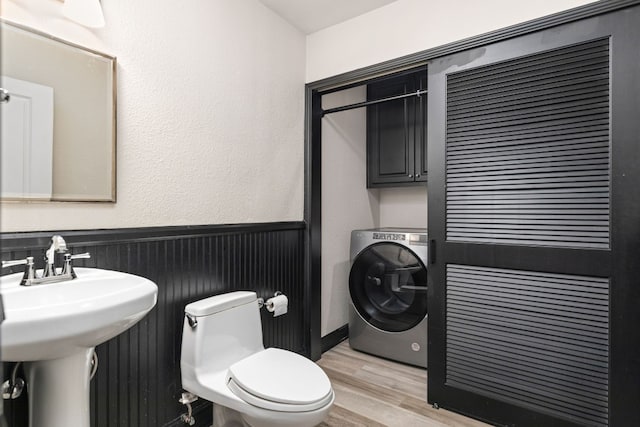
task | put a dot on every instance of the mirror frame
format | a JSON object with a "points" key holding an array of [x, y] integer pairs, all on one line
{"points": [[113, 65]]}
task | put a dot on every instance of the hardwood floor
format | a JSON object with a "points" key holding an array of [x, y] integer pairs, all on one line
{"points": [[374, 392]]}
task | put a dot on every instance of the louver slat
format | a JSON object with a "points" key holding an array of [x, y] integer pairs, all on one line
{"points": [[528, 148], [533, 339]]}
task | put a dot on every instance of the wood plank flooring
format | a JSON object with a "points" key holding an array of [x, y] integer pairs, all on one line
{"points": [[374, 392]]}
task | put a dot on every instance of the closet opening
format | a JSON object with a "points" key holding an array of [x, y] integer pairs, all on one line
{"points": [[343, 196]]}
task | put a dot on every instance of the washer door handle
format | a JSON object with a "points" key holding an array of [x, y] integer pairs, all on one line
{"points": [[413, 288]]}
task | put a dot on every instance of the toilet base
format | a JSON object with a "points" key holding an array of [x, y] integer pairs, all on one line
{"points": [[226, 417]]}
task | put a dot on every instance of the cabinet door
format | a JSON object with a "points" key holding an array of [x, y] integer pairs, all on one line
{"points": [[390, 136], [534, 208], [420, 131]]}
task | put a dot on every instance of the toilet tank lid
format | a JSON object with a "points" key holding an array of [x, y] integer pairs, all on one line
{"points": [[218, 303]]}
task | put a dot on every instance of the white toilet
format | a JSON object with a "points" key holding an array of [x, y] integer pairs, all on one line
{"points": [[224, 361]]}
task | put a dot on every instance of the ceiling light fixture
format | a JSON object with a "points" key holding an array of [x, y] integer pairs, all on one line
{"points": [[84, 12]]}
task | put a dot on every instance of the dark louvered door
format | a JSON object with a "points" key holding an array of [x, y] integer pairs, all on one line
{"points": [[530, 205], [528, 150]]}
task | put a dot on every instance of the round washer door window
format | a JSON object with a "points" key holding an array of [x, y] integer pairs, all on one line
{"points": [[388, 287]]}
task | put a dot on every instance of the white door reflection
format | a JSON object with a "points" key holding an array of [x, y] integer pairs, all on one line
{"points": [[27, 140]]}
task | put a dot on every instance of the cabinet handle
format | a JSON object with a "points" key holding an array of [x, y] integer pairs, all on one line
{"points": [[410, 175], [417, 175]]}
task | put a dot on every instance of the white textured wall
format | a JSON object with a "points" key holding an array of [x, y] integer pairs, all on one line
{"points": [[346, 203], [409, 26], [403, 207], [210, 114]]}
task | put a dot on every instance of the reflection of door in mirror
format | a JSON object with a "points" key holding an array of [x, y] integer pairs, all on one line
{"points": [[27, 140]]}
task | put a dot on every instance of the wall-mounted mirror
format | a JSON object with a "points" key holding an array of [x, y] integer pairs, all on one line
{"points": [[58, 119]]}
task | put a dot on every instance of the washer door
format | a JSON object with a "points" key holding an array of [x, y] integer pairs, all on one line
{"points": [[388, 287]]}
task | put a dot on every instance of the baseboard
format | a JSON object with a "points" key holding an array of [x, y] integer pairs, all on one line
{"points": [[334, 338]]}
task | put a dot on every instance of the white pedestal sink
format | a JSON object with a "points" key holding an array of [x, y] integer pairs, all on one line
{"points": [[54, 329]]}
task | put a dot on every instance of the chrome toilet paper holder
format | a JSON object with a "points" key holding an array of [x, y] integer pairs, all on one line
{"points": [[262, 303]]}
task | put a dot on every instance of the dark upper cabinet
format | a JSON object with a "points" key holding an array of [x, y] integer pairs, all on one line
{"points": [[396, 132]]}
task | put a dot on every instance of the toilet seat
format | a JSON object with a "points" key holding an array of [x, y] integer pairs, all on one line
{"points": [[280, 380]]}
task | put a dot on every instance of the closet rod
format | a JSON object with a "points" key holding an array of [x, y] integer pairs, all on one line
{"points": [[376, 101]]}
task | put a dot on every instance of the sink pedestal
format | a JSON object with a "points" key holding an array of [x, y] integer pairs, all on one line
{"points": [[59, 391]]}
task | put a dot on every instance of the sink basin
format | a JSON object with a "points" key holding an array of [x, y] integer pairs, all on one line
{"points": [[54, 328], [54, 320]]}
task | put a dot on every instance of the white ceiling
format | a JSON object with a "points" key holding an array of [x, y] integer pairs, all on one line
{"points": [[313, 15]]}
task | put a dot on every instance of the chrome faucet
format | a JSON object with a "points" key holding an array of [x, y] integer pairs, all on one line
{"points": [[58, 246], [49, 274]]}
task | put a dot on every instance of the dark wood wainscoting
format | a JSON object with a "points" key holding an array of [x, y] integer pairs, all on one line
{"points": [[138, 379]]}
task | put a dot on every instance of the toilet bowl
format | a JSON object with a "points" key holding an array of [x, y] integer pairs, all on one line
{"points": [[224, 361]]}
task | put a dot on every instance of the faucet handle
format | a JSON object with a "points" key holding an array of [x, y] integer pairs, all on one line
{"points": [[29, 270], [67, 267], [77, 256], [13, 263]]}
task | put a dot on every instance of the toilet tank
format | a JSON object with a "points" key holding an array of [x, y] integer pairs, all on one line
{"points": [[227, 329]]}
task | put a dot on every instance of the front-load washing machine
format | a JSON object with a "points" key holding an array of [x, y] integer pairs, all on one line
{"points": [[388, 289]]}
